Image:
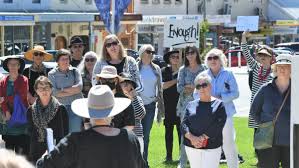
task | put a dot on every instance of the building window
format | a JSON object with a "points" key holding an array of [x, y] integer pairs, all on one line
{"points": [[63, 1], [36, 1], [7, 1], [144, 1], [156, 1], [167, 1], [88, 2], [178, 1]]}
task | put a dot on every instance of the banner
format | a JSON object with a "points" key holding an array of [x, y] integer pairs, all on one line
{"points": [[179, 35], [120, 7], [250, 23], [104, 9]]}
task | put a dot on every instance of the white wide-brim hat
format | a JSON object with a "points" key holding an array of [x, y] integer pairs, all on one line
{"points": [[283, 59], [100, 103]]}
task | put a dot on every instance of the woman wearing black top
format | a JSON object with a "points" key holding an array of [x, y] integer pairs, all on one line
{"points": [[37, 55], [46, 112], [202, 126], [171, 97]]}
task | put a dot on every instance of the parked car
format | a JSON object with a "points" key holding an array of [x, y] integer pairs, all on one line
{"points": [[293, 45], [280, 51], [234, 57]]}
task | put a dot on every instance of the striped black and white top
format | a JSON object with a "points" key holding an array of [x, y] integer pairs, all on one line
{"points": [[256, 83], [139, 111]]}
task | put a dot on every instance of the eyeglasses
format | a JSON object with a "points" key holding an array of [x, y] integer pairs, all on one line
{"points": [[90, 59], [149, 52], [190, 53], [114, 43], [201, 86], [175, 57], [46, 88], [38, 54], [213, 58]]}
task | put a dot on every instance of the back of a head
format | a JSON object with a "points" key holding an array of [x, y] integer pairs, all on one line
{"points": [[8, 159]]}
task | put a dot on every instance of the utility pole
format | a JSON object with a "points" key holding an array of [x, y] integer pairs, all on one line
{"points": [[113, 17], [187, 7], [205, 20]]}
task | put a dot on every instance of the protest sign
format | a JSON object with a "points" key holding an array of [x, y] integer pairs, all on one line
{"points": [[250, 23]]}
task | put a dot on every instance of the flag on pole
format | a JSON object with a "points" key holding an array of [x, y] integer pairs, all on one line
{"points": [[120, 7], [104, 9]]}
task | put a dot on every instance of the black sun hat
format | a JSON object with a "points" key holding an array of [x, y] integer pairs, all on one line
{"points": [[167, 55], [20, 59]]}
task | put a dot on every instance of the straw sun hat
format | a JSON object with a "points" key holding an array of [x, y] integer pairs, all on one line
{"points": [[100, 103], [38, 48]]}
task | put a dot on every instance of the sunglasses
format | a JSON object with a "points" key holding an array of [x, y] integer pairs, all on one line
{"points": [[213, 58], [190, 53], [102, 80], [174, 57], [90, 59], [114, 43], [38, 54], [149, 52], [201, 86]]}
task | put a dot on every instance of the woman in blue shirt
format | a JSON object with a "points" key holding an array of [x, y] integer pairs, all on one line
{"points": [[225, 88]]}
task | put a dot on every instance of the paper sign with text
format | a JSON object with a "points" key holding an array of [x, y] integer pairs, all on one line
{"points": [[180, 33], [250, 23]]}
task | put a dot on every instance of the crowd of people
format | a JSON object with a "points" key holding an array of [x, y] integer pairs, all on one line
{"points": [[102, 108]]}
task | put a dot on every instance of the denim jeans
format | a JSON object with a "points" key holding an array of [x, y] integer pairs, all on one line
{"points": [[147, 123], [74, 120]]}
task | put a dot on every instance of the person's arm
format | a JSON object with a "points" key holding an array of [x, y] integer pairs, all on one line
{"points": [[169, 84], [246, 52], [216, 127], [5, 101], [65, 120], [256, 107], [96, 70], [139, 108], [134, 72], [129, 118], [77, 87], [232, 89]]}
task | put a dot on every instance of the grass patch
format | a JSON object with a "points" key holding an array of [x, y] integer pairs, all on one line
{"points": [[157, 149]]}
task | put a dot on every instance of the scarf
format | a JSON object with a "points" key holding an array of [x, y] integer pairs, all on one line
{"points": [[260, 74], [42, 115], [36, 68]]}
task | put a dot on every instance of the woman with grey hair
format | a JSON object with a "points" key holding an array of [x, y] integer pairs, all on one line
{"points": [[152, 93], [272, 103], [202, 126], [86, 69], [185, 86], [225, 88]]}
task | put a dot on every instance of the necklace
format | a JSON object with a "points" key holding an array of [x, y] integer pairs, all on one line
{"points": [[260, 74]]}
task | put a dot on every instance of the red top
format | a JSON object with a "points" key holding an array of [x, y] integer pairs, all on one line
{"points": [[20, 86]]}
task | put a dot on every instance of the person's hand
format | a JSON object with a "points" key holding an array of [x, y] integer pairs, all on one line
{"points": [[246, 34], [32, 100], [131, 94], [7, 116], [1, 100]]}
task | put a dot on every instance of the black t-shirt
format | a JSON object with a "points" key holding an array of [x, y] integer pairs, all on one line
{"points": [[125, 118], [119, 67], [32, 76], [90, 149], [170, 95], [75, 63]]}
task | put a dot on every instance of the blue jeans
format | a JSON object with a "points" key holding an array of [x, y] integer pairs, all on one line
{"points": [[147, 123], [74, 120]]}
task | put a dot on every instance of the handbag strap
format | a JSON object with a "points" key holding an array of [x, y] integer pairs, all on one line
{"points": [[281, 106]]}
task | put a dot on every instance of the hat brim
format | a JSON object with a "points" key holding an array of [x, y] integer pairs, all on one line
{"points": [[77, 44], [265, 53], [21, 60], [106, 76], [80, 108], [29, 55], [122, 79], [167, 55]]}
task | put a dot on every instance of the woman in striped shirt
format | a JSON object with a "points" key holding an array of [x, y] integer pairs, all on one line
{"points": [[261, 70], [128, 87]]}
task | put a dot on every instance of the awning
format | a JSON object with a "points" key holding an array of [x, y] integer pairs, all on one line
{"points": [[283, 10]]}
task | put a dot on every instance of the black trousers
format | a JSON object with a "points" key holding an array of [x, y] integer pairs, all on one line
{"points": [[169, 138], [274, 157]]}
